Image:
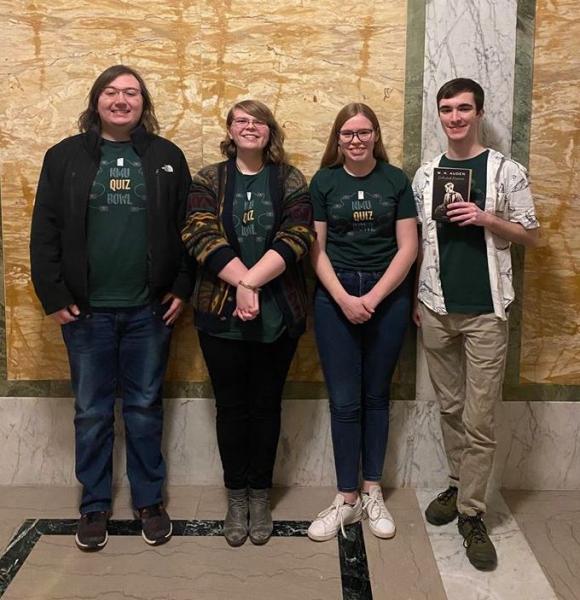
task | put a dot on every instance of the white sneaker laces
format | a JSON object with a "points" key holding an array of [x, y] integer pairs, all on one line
{"points": [[375, 507], [332, 513]]}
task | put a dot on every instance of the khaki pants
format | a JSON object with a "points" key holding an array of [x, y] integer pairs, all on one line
{"points": [[466, 360]]}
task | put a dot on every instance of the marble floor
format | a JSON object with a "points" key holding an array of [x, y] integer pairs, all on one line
{"points": [[537, 535]]}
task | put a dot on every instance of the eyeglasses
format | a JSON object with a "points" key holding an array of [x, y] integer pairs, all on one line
{"points": [[364, 135], [112, 92], [243, 122]]}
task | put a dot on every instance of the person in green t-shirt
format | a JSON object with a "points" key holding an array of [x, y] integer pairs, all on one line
{"points": [[464, 289], [108, 266], [365, 221], [249, 226]]}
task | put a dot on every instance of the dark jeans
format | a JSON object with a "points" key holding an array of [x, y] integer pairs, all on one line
{"points": [[358, 363], [124, 349], [247, 379]]}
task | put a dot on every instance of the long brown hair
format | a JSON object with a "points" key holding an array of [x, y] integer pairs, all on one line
{"points": [[333, 154], [274, 151], [90, 119]]}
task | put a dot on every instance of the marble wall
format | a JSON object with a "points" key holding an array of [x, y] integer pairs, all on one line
{"points": [[311, 57], [491, 42], [476, 40], [36, 436], [304, 58], [551, 318]]}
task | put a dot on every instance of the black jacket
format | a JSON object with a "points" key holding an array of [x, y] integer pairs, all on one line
{"points": [[58, 241]]}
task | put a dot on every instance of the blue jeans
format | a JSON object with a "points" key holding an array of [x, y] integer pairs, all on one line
{"points": [[358, 363], [125, 350]]}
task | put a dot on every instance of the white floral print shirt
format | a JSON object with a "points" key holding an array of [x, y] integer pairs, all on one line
{"points": [[508, 196]]}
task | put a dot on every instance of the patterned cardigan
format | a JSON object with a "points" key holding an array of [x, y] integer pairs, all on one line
{"points": [[210, 238]]}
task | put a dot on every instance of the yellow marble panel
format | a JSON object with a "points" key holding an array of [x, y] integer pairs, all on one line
{"points": [[551, 313], [304, 58], [52, 53]]}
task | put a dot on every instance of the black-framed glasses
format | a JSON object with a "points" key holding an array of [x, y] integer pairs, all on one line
{"points": [[347, 135], [111, 92], [243, 122]]}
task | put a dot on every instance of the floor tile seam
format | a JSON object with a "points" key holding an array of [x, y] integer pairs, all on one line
{"points": [[515, 529], [355, 578], [529, 545]]}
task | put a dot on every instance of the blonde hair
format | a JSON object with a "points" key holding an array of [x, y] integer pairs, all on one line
{"points": [[333, 154], [274, 151]]}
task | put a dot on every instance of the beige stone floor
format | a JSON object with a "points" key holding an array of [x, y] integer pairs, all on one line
{"points": [[205, 568], [551, 523]]}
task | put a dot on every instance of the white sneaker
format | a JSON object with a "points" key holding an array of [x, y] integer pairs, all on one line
{"points": [[380, 519], [333, 518]]}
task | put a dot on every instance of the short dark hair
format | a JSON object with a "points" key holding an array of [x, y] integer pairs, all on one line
{"points": [[459, 85], [90, 119]]}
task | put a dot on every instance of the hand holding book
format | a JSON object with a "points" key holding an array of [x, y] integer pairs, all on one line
{"points": [[450, 186], [466, 213]]}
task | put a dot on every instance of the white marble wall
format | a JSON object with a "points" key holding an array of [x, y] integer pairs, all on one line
{"points": [[36, 437], [475, 39]]}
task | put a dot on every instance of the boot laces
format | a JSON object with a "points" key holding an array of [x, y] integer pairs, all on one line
{"points": [[447, 495], [477, 534], [375, 507]]}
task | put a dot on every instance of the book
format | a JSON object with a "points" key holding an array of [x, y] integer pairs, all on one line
{"points": [[449, 185]]}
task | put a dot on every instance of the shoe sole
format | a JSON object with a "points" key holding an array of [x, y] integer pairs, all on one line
{"points": [[383, 536], [259, 541], [324, 538], [236, 544], [484, 566], [321, 538], [91, 547], [160, 540]]}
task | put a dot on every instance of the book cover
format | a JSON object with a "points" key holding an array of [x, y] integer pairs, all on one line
{"points": [[449, 185]]}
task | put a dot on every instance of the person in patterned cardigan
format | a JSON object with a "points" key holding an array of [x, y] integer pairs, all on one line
{"points": [[249, 226]]}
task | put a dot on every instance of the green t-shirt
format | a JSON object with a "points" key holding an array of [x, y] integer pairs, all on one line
{"points": [[361, 214], [117, 230], [253, 218], [462, 250]]}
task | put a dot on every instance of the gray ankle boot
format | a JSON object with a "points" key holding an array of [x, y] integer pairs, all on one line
{"points": [[236, 521], [260, 516]]}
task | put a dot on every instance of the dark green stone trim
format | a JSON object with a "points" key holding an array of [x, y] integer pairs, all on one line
{"points": [[521, 125], [353, 565], [412, 129], [414, 71], [523, 81], [541, 392]]}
